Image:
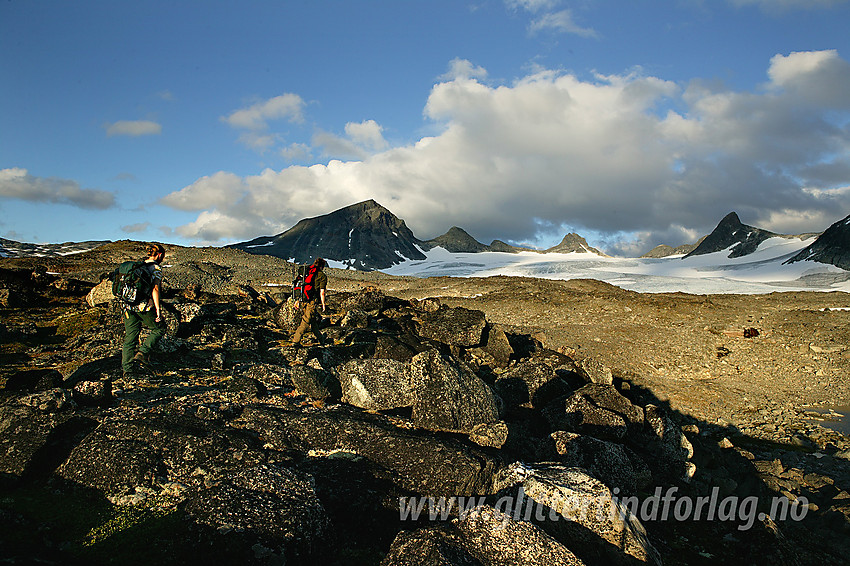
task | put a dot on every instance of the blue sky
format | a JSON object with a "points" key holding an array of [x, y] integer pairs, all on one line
{"points": [[632, 123]]}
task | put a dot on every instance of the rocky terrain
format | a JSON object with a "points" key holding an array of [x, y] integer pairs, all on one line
{"points": [[520, 402]]}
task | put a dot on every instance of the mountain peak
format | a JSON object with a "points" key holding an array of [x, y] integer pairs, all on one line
{"points": [[731, 234], [457, 240], [572, 242], [364, 235], [832, 247]]}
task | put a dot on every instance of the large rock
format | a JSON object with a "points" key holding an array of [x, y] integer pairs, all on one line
{"points": [[616, 465], [484, 536], [100, 294], [376, 384], [121, 455], [669, 451], [411, 459], [447, 396], [496, 539], [316, 384], [368, 299], [596, 410], [455, 326], [531, 382], [433, 546], [579, 510], [34, 442], [271, 506]]}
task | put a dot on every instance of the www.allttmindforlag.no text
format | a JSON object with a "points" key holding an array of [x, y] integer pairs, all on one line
{"points": [[661, 506]]}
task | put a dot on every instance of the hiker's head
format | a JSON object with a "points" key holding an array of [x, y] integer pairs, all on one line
{"points": [[320, 263], [156, 252]]}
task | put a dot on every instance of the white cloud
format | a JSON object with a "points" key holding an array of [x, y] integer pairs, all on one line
{"points": [[815, 77], [133, 128], [368, 134], [548, 19], [295, 152], [463, 69], [362, 139], [532, 5], [17, 183], [551, 149], [257, 116], [561, 21]]}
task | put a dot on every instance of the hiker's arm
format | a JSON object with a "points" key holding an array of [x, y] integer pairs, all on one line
{"points": [[155, 297], [322, 296]]}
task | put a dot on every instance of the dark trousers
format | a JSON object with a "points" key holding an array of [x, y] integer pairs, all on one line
{"points": [[133, 322], [310, 318]]}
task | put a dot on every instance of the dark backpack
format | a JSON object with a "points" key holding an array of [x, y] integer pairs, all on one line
{"points": [[132, 283], [304, 283]]}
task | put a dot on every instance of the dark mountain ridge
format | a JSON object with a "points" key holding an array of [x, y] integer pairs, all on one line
{"points": [[364, 236], [831, 247], [733, 235]]}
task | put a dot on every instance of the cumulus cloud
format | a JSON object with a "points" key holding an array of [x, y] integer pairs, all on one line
{"points": [[464, 69], [603, 155], [133, 128], [257, 116], [361, 140], [17, 183]]}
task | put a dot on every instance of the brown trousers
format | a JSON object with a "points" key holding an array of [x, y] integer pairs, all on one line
{"points": [[310, 318]]}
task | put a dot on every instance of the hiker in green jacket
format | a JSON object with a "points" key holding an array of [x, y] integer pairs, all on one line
{"points": [[318, 282], [148, 313]]}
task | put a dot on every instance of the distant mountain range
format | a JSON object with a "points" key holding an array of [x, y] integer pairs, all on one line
{"points": [[367, 236], [11, 248]]}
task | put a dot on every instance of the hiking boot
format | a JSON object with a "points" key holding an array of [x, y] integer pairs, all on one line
{"points": [[143, 359]]}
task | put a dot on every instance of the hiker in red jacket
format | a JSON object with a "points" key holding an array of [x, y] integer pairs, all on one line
{"points": [[314, 290]]}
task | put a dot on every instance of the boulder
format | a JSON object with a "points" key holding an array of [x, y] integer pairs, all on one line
{"points": [[668, 450], [286, 316], [596, 410], [455, 326], [368, 299], [594, 371], [447, 396], [428, 304], [267, 505], [93, 392], [497, 345], [496, 539], [531, 382], [316, 384], [30, 439], [401, 348], [616, 465], [484, 536], [433, 546], [100, 294], [493, 435], [412, 459], [164, 445], [375, 384], [355, 318], [579, 510]]}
